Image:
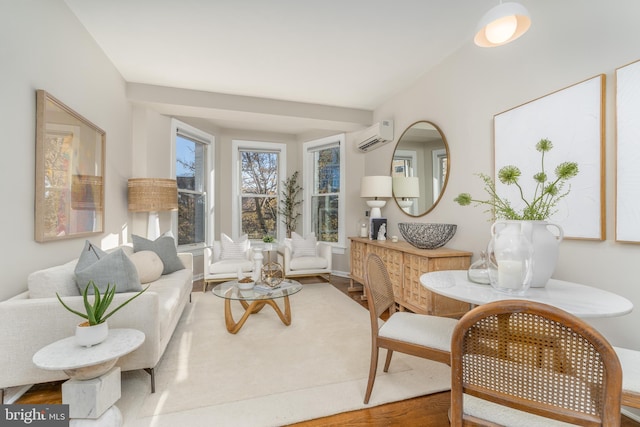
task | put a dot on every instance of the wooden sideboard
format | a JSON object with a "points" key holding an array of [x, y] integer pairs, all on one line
{"points": [[405, 264]]}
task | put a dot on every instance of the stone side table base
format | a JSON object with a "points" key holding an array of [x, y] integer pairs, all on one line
{"points": [[111, 418]]}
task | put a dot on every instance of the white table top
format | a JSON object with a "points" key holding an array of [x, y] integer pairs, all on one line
{"points": [[65, 354], [580, 300]]}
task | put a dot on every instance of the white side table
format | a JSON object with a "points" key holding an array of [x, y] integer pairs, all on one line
{"points": [[94, 384]]}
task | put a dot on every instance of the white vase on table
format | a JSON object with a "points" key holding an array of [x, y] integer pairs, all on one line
{"points": [[545, 245]]}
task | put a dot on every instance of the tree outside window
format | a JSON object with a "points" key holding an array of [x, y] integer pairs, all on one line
{"points": [[326, 192], [259, 193], [190, 174]]}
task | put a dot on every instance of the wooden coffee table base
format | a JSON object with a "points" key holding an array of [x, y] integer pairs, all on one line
{"points": [[253, 308]]}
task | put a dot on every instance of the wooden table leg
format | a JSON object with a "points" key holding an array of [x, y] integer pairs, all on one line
{"points": [[252, 308]]}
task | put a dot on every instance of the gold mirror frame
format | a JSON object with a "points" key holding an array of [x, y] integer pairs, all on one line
{"points": [[70, 154], [421, 149]]}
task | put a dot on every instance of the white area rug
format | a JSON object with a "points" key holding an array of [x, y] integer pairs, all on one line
{"points": [[270, 374]]}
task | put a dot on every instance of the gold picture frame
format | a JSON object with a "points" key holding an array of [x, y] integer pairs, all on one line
{"points": [[70, 158]]}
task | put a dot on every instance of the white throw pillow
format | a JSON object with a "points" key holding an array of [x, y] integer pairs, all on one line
{"points": [[234, 249], [148, 264], [303, 247]]}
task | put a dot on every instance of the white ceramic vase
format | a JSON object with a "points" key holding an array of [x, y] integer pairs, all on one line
{"points": [[88, 336], [545, 245]]}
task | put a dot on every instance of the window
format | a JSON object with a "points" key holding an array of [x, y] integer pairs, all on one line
{"points": [[324, 199], [191, 154], [257, 176]]}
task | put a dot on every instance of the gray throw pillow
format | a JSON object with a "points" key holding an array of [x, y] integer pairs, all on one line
{"points": [[104, 269], [165, 247]]}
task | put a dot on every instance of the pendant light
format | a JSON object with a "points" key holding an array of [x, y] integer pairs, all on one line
{"points": [[502, 24]]}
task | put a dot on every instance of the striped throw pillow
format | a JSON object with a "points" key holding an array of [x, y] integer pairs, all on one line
{"points": [[303, 246], [233, 250]]}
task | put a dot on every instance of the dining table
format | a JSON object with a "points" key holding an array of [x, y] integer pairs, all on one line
{"points": [[580, 300]]}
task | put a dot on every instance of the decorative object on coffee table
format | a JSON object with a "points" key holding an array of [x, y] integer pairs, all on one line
{"points": [[427, 235], [272, 274]]}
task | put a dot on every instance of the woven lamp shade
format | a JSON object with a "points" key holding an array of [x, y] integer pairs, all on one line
{"points": [[152, 194]]}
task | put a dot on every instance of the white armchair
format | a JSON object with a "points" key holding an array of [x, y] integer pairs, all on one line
{"points": [[295, 265], [217, 269]]}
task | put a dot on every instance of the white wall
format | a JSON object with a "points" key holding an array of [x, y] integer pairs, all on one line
{"points": [[569, 41], [43, 46]]}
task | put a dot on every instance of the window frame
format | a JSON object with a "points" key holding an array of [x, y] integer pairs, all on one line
{"points": [[236, 167], [208, 140], [309, 148]]}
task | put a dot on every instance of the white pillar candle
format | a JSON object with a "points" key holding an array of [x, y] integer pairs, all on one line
{"points": [[510, 274]]}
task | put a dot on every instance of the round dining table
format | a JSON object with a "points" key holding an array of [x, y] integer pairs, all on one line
{"points": [[580, 300]]}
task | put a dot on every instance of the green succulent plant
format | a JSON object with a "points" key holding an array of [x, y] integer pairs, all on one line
{"points": [[96, 313], [546, 195], [268, 239]]}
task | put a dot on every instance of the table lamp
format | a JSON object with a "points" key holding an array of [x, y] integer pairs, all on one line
{"points": [[376, 187], [405, 188], [152, 195]]}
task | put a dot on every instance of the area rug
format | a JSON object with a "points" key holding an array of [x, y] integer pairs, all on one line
{"points": [[269, 374]]}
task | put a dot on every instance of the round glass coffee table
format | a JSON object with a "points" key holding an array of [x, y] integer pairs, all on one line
{"points": [[253, 300]]}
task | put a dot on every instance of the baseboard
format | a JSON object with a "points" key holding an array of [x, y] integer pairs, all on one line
{"points": [[631, 414], [12, 394]]}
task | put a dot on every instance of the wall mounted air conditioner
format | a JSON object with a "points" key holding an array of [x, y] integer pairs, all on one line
{"points": [[375, 136]]}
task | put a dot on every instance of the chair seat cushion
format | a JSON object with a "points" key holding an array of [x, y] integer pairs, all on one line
{"points": [[307, 263], [630, 361], [229, 266], [421, 329], [505, 416]]}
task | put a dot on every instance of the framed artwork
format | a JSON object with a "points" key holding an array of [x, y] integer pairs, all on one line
{"points": [[573, 120], [70, 153], [628, 153]]}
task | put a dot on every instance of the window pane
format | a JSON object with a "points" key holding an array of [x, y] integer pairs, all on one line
{"points": [[259, 216], [327, 176], [324, 217], [191, 218], [259, 173], [189, 164]]}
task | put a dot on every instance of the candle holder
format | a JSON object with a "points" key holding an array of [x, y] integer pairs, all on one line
{"points": [[509, 262]]}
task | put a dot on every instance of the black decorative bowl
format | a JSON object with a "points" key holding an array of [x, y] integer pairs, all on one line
{"points": [[427, 235]]}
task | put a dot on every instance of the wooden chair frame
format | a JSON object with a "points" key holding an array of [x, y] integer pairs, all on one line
{"points": [[527, 336]]}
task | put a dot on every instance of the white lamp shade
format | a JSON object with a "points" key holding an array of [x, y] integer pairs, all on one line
{"points": [[502, 24], [376, 186], [406, 187]]}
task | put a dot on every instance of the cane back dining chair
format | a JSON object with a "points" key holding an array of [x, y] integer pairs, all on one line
{"points": [[419, 335], [524, 363]]}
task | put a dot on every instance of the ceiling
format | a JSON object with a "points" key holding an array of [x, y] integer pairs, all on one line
{"points": [[349, 55]]}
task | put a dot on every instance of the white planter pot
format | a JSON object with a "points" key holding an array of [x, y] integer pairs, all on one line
{"points": [[88, 336], [545, 246]]}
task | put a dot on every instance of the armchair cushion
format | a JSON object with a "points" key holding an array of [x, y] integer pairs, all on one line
{"points": [[230, 266], [234, 250], [307, 263], [303, 247]]}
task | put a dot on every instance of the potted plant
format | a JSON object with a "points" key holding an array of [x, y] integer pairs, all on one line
{"points": [[535, 211], [290, 203], [95, 329]]}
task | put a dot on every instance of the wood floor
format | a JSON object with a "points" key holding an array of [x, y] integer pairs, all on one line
{"points": [[426, 411]]}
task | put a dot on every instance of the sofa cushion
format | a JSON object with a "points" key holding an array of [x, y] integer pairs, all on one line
{"points": [[148, 265], [169, 297], [165, 247], [113, 268], [303, 246], [60, 278], [231, 249], [307, 263]]}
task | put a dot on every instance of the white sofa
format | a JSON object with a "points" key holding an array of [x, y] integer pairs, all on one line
{"points": [[28, 324]]}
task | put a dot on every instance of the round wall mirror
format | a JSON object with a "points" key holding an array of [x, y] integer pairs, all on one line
{"points": [[420, 168]]}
